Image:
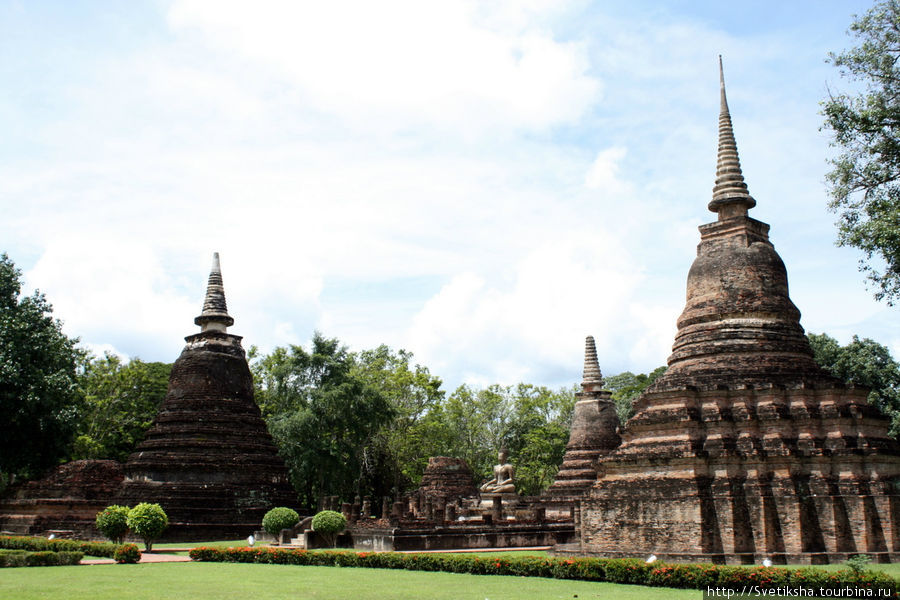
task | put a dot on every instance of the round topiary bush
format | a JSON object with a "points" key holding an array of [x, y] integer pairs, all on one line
{"points": [[279, 518], [112, 522], [329, 523], [147, 521]]}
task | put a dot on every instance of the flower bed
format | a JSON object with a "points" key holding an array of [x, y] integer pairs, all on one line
{"points": [[632, 571]]}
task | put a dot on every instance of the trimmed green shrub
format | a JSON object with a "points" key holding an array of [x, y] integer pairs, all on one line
{"points": [[147, 521], [44, 558], [112, 522], [37, 544], [127, 554], [279, 518], [329, 523]]}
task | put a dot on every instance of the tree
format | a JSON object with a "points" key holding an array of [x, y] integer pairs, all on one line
{"points": [[279, 518], [627, 387], [120, 402], [329, 524], [112, 522], [416, 432], [322, 416], [532, 421], [866, 363], [865, 190], [38, 380], [538, 432], [148, 521]]}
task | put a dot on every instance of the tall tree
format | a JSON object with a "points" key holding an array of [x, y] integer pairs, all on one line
{"points": [[120, 402], [865, 190], [322, 416], [538, 434], [38, 383], [867, 363], [416, 432], [532, 421]]}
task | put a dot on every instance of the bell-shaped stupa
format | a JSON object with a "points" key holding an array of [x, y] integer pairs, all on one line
{"points": [[745, 449], [208, 458]]}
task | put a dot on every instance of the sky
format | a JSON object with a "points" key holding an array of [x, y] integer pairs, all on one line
{"points": [[481, 183]]}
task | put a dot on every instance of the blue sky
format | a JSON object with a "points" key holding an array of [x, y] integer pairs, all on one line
{"points": [[482, 184]]}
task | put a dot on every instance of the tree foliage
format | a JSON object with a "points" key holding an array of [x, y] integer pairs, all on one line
{"points": [[531, 421], [148, 522], [279, 518], [38, 382], [329, 524], [120, 402], [626, 387], [401, 448], [865, 190], [112, 522], [866, 363], [322, 415]]}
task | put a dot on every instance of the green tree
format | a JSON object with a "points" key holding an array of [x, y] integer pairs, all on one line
{"points": [[148, 522], [38, 380], [626, 387], [112, 522], [532, 421], [866, 363], [477, 424], [538, 432], [322, 416], [865, 190], [416, 432], [120, 402]]}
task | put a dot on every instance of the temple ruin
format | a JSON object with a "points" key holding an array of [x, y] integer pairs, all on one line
{"points": [[208, 458], [745, 449]]}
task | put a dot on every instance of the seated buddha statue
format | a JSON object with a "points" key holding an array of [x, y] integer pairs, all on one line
{"points": [[502, 482]]}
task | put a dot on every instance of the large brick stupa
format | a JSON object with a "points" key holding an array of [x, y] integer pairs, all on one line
{"points": [[208, 458], [745, 448]]}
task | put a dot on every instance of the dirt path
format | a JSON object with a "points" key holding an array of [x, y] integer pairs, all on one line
{"points": [[145, 558]]}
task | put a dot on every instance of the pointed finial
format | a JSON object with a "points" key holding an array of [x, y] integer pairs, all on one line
{"points": [[730, 195], [215, 312], [592, 375]]}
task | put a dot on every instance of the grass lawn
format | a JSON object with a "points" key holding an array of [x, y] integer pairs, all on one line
{"points": [[177, 581]]}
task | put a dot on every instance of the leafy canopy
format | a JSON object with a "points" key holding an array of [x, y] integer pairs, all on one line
{"points": [[863, 362], [865, 190], [148, 522], [120, 402], [38, 383]]}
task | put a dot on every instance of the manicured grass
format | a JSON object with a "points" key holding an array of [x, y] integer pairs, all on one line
{"points": [[175, 581]]}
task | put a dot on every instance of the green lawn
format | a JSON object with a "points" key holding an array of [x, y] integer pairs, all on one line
{"points": [[177, 581]]}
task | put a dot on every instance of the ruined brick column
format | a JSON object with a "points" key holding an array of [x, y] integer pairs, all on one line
{"points": [[745, 448], [208, 458]]}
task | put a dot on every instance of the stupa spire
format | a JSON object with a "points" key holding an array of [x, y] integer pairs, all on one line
{"points": [[592, 375], [730, 195], [215, 315]]}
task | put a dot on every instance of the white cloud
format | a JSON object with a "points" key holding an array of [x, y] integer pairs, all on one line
{"points": [[530, 325], [403, 62]]}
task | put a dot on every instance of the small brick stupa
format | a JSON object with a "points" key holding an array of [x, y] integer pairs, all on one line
{"points": [[744, 448], [594, 433], [208, 458]]}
